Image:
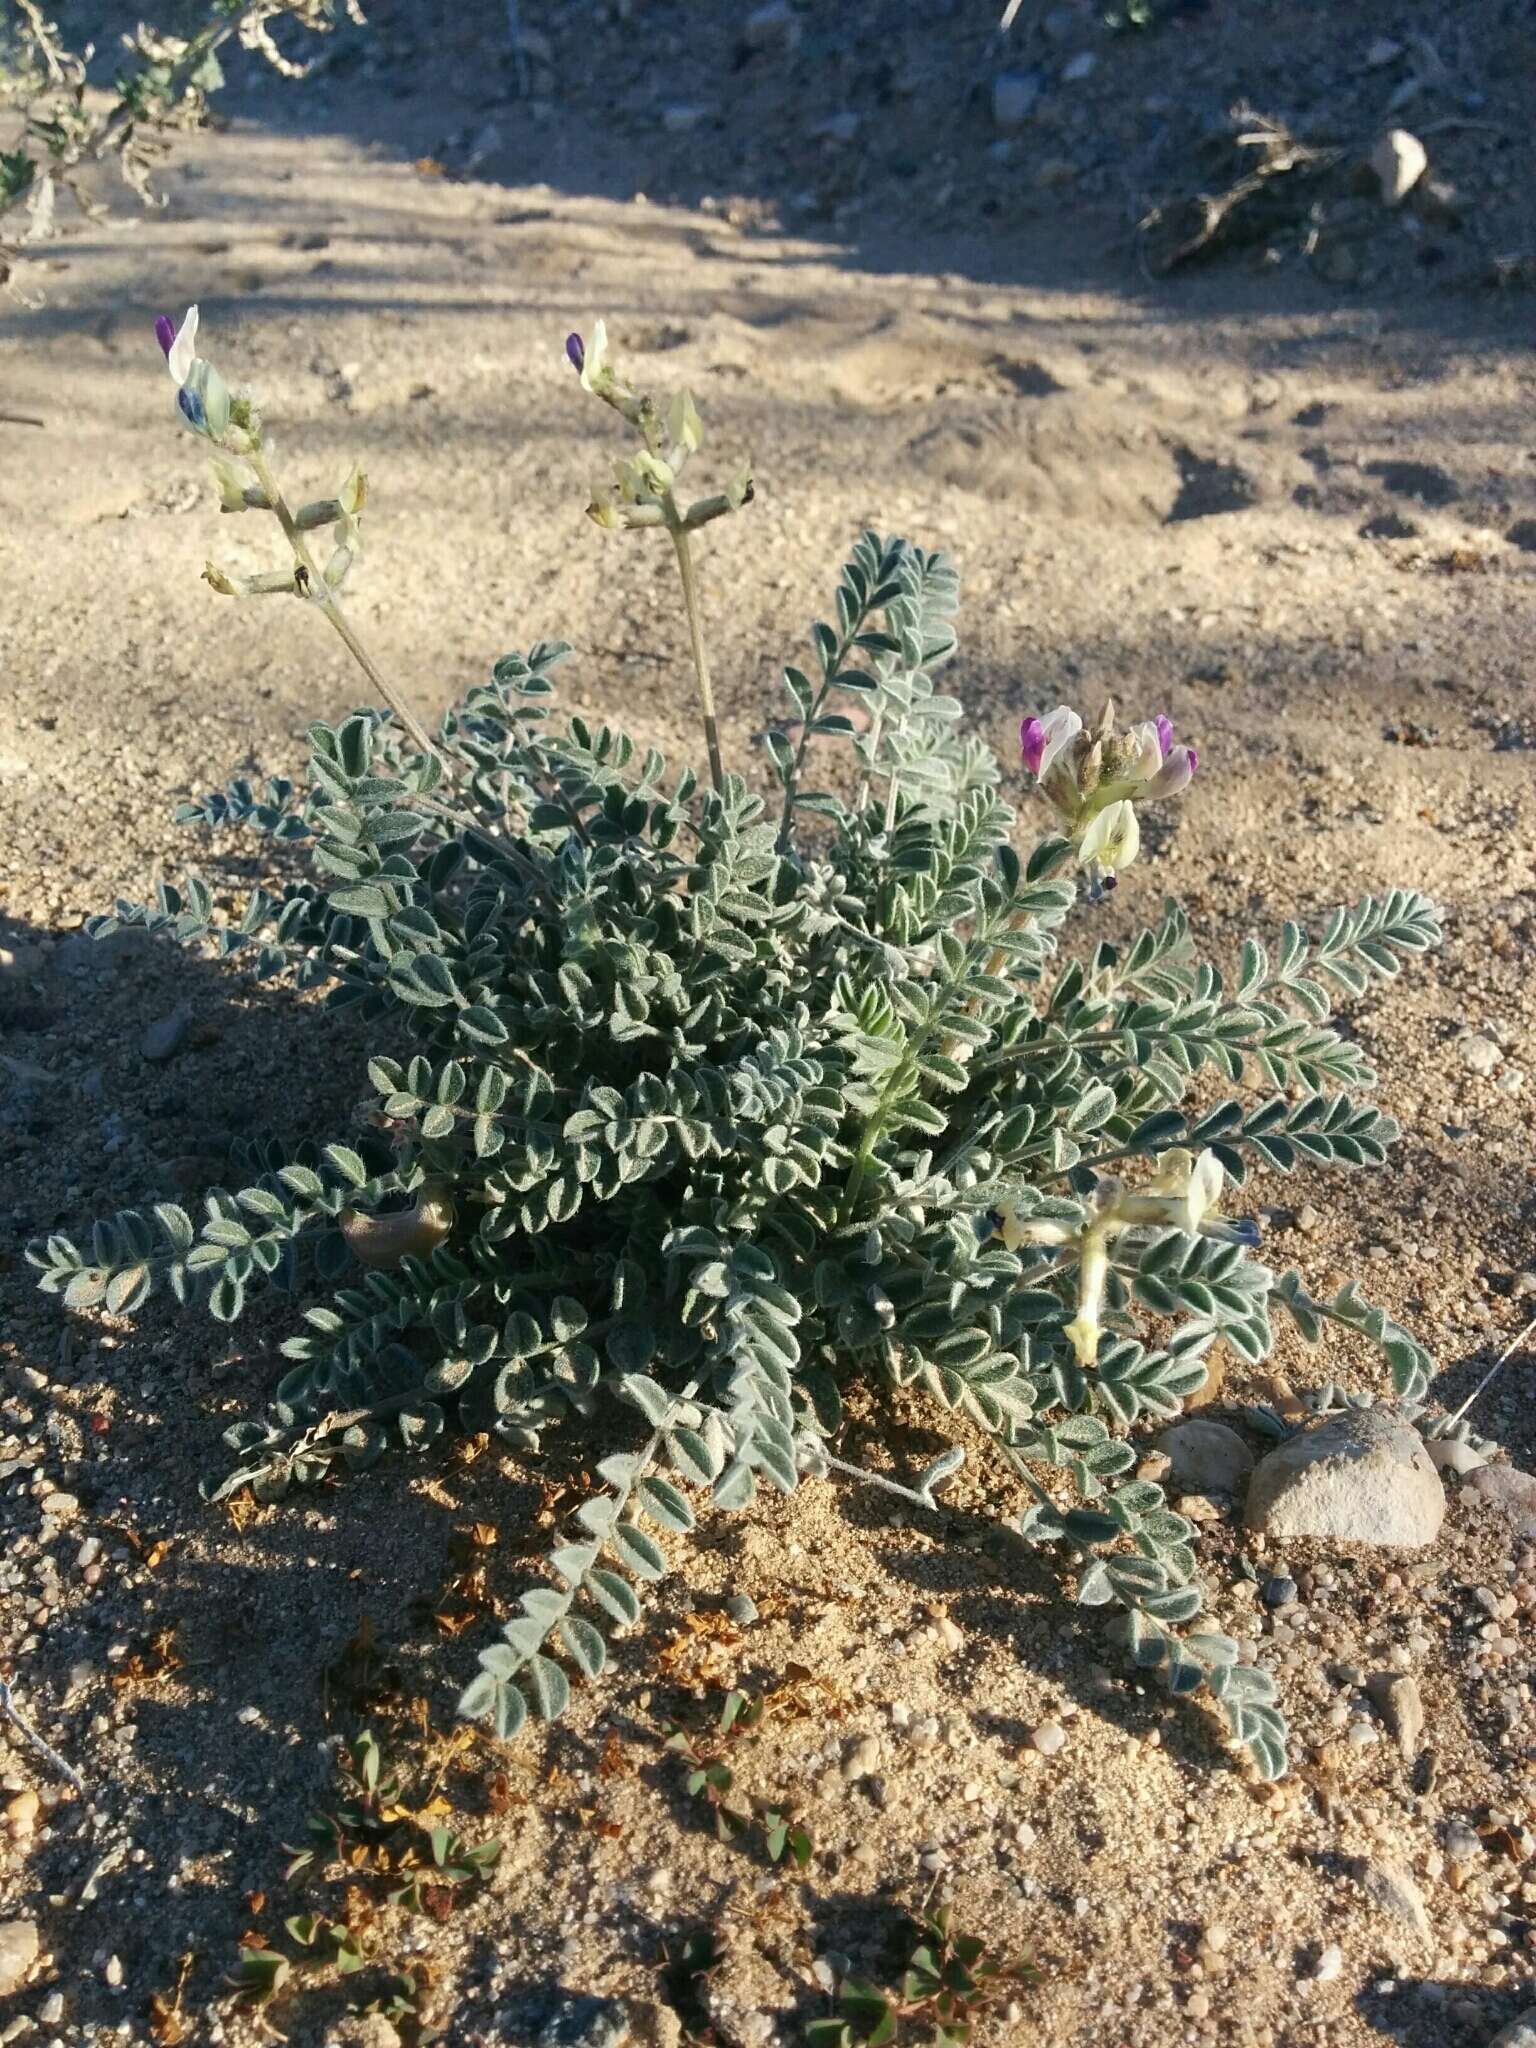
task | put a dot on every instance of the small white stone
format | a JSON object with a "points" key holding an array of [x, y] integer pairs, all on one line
{"points": [[1049, 1738], [862, 1760], [1473, 1051], [1329, 1965], [1400, 160]]}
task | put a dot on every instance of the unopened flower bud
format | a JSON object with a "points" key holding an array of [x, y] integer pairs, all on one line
{"points": [[576, 354], [1176, 773]]}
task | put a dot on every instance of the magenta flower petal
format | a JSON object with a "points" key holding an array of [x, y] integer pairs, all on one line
{"points": [[1164, 726], [1032, 742], [165, 333]]}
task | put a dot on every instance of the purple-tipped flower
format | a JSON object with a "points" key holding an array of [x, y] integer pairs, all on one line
{"points": [[576, 353], [1164, 726], [165, 333], [1042, 739]]}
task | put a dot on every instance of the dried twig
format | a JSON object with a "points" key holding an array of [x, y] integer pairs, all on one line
{"points": [[1502, 1360], [44, 1749]]}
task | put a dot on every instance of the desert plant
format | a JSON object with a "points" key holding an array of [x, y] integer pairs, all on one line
{"points": [[52, 129], [719, 1106], [950, 1985]]}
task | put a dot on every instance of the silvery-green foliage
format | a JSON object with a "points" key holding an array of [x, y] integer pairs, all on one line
{"points": [[726, 1098]]}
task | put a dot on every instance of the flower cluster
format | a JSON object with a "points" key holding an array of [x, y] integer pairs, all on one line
{"points": [[1184, 1195], [231, 423], [642, 493], [1094, 780]]}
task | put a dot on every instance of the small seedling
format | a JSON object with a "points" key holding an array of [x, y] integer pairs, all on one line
{"points": [[710, 1779], [449, 1864], [947, 1989]]}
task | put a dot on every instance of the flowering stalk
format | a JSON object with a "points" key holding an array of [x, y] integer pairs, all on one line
{"points": [[232, 425], [644, 493]]}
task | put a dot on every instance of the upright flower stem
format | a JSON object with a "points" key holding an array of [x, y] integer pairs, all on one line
{"points": [[690, 583], [323, 597]]}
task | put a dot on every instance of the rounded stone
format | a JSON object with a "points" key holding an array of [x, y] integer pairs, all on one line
{"points": [[18, 1952], [1359, 1477], [1205, 1457]]}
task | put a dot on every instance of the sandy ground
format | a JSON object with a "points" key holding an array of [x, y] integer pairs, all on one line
{"points": [[1298, 518]]}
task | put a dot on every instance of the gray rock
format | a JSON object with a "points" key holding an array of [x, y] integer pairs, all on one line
{"points": [[1360, 1477], [1512, 1492], [18, 1952], [1082, 66], [1206, 1457], [1395, 1697], [680, 120], [364, 2030], [1014, 94], [1520, 2033], [164, 1038], [773, 26], [1388, 1885], [1280, 1591], [82, 955], [1478, 1053], [578, 2022], [841, 127], [742, 1607]]}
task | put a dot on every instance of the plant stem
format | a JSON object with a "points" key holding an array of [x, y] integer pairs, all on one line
{"points": [[323, 597], [689, 580]]}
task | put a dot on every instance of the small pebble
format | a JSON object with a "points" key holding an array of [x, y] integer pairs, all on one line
{"points": [[163, 1039], [1329, 1965], [1280, 1592], [21, 1815], [1049, 1738], [862, 1760], [1480, 1054], [1462, 1843], [742, 1607]]}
